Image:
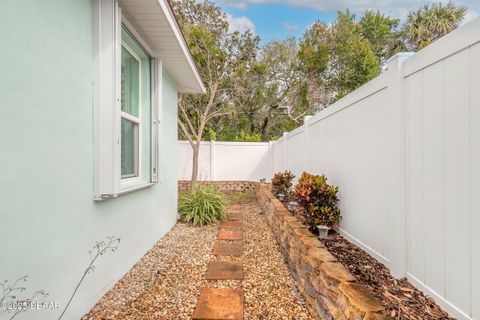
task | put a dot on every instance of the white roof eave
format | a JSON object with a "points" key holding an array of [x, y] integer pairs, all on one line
{"points": [[155, 23]]}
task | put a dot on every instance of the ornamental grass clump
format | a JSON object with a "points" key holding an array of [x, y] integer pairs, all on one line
{"points": [[203, 205], [282, 183], [318, 200]]}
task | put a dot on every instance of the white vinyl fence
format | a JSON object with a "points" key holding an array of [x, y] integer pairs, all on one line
{"points": [[404, 150], [249, 161]]}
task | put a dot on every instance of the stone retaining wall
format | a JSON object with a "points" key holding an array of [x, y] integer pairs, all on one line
{"points": [[330, 290], [224, 186]]}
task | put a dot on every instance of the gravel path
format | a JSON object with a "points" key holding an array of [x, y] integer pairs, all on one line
{"points": [[166, 282]]}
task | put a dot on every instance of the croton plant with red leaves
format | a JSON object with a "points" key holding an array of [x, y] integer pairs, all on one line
{"points": [[318, 200], [282, 182]]}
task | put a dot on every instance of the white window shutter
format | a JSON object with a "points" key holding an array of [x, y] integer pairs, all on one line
{"points": [[156, 118], [106, 98]]}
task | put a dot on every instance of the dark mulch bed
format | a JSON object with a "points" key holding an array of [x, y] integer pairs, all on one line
{"points": [[400, 298]]}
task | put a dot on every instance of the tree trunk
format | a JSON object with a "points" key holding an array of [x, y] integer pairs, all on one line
{"points": [[263, 128], [266, 122], [196, 151]]}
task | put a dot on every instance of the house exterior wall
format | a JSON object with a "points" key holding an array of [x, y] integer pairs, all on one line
{"points": [[48, 219]]}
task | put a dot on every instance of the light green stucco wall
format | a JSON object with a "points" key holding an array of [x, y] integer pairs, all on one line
{"points": [[48, 220]]}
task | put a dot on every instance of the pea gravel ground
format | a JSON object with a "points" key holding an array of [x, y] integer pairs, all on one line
{"points": [[166, 282]]}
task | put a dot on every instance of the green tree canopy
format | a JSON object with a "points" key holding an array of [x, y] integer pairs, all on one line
{"points": [[257, 91], [266, 96], [339, 59], [354, 62], [381, 31]]}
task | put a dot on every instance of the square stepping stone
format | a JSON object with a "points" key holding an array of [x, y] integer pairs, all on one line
{"points": [[227, 249], [224, 270], [234, 217], [230, 235], [216, 303], [231, 225]]}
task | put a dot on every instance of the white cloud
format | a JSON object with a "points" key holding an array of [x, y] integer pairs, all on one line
{"points": [[237, 4], [395, 8], [240, 24], [289, 26]]}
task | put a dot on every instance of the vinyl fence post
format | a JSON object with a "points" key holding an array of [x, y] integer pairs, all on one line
{"points": [[397, 181], [271, 168], [285, 150], [306, 163], [212, 160]]}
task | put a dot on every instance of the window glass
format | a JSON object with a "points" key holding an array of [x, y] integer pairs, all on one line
{"points": [[130, 83], [128, 145]]}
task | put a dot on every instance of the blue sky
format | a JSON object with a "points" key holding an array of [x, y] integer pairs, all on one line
{"points": [[278, 19]]}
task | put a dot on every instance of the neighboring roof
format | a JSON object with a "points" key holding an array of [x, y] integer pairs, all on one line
{"points": [[156, 24]]}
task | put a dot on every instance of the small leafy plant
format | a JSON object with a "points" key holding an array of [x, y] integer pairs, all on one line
{"points": [[318, 200], [282, 182], [203, 205]]}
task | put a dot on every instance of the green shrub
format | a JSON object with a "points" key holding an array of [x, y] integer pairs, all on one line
{"points": [[282, 182], [247, 137], [318, 200], [203, 205]]}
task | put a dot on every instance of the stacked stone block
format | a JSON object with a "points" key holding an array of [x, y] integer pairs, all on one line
{"points": [[224, 186]]}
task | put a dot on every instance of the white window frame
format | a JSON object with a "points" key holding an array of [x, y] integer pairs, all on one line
{"points": [[107, 114], [137, 120]]}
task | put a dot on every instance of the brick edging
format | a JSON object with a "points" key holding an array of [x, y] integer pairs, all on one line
{"points": [[330, 290], [224, 186]]}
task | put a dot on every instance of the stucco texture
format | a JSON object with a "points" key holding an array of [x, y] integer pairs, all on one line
{"points": [[48, 219]]}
